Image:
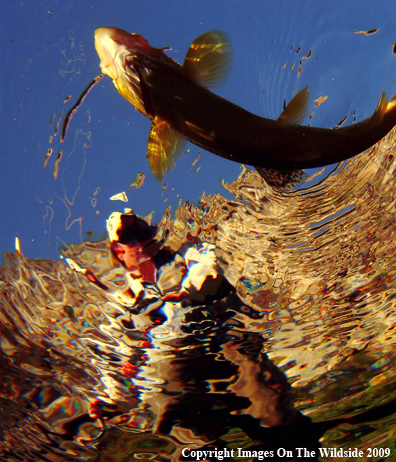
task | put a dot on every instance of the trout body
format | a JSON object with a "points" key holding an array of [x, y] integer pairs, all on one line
{"points": [[180, 106]]}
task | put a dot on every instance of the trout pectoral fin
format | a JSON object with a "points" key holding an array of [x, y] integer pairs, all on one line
{"points": [[164, 148], [208, 60], [296, 111]]}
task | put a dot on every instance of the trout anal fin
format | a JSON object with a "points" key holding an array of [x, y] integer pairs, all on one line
{"points": [[296, 111], [376, 119]]}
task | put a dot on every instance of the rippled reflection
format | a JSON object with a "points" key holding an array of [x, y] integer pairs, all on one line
{"points": [[261, 322]]}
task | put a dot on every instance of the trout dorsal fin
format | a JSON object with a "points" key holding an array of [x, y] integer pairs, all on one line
{"points": [[208, 60], [164, 147], [296, 111]]}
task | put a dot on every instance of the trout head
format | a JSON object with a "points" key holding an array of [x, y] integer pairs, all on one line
{"points": [[127, 58]]}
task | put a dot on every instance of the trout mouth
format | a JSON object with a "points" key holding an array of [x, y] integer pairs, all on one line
{"points": [[107, 52], [129, 59], [109, 40], [119, 54]]}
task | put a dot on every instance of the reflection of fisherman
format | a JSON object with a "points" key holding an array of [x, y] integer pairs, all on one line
{"points": [[201, 372], [163, 286], [191, 277]]}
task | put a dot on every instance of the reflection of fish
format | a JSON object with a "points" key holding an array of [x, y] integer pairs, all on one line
{"points": [[174, 97]]}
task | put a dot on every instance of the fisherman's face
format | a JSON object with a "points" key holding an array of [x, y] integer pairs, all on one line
{"points": [[138, 260], [138, 257]]}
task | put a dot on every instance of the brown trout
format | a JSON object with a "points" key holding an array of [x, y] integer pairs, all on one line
{"points": [[178, 102]]}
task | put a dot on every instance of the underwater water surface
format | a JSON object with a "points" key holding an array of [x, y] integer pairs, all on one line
{"points": [[210, 316]]}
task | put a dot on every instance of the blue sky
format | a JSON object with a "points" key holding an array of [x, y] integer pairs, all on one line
{"points": [[48, 54]]}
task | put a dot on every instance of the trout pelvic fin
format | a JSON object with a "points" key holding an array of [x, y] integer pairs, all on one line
{"points": [[164, 147], [296, 111], [208, 60]]}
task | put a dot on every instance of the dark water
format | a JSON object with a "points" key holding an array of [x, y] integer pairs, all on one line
{"points": [[264, 323]]}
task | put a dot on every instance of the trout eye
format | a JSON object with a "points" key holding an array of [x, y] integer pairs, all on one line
{"points": [[129, 60]]}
